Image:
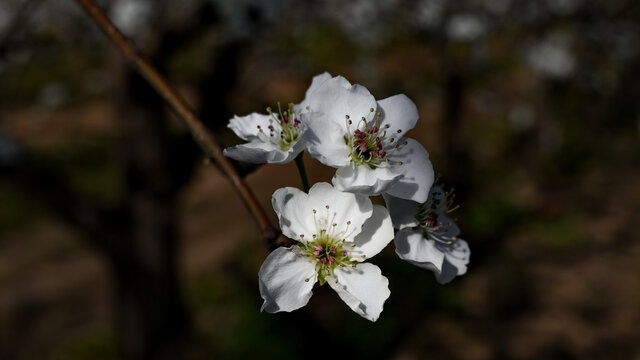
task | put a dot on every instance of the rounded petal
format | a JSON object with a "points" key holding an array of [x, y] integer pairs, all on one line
{"points": [[286, 280], [348, 211], [315, 84], [376, 234], [246, 127], [418, 172], [399, 112], [296, 214], [336, 98], [259, 152], [363, 288], [413, 247], [456, 260], [403, 212], [365, 180], [325, 141]]}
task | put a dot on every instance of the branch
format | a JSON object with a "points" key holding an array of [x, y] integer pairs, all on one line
{"points": [[205, 139]]}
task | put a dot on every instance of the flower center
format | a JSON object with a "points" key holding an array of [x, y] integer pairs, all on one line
{"points": [[371, 145], [284, 127], [327, 246], [429, 214]]}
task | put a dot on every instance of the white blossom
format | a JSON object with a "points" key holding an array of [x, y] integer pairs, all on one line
{"points": [[365, 139], [428, 237], [275, 137], [336, 232]]}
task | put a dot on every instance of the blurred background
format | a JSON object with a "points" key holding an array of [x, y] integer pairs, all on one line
{"points": [[118, 241]]}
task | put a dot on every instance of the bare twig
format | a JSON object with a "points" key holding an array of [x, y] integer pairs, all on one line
{"points": [[205, 139]]}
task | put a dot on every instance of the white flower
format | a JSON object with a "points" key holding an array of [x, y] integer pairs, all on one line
{"points": [[429, 237], [336, 232], [275, 137], [364, 139]]}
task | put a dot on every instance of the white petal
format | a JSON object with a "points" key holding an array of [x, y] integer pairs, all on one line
{"points": [[403, 212], [413, 247], [456, 260], [362, 179], [376, 234], [363, 288], [437, 193], [295, 215], [246, 127], [315, 84], [337, 98], [417, 170], [343, 207], [295, 212], [325, 141], [286, 280], [259, 152], [400, 113]]}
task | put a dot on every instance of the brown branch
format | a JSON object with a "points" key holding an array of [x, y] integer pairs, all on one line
{"points": [[205, 139]]}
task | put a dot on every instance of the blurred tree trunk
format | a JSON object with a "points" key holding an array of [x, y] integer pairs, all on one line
{"points": [[151, 318]]}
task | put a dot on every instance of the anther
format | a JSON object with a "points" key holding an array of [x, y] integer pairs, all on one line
{"points": [[327, 206], [306, 280]]}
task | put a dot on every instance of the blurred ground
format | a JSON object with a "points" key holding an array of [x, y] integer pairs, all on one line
{"points": [[545, 167]]}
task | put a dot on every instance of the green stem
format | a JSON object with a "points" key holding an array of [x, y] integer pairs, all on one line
{"points": [[303, 172]]}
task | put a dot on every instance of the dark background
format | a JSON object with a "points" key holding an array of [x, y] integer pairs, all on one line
{"points": [[118, 241]]}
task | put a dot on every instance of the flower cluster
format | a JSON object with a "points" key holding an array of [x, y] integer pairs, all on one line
{"points": [[336, 227]]}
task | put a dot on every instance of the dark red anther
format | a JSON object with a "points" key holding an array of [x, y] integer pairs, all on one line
{"points": [[362, 145], [360, 134], [296, 122], [285, 120], [375, 153]]}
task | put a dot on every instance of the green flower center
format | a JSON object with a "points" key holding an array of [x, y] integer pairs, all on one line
{"points": [[428, 217], [328, 253], [284, 127], [370, 146]]}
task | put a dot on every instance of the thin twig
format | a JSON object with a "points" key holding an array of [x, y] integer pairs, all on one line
{"points": [[205, 139]]}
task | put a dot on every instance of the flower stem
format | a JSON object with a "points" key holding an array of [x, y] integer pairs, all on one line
{"points": [[303, 172]]}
